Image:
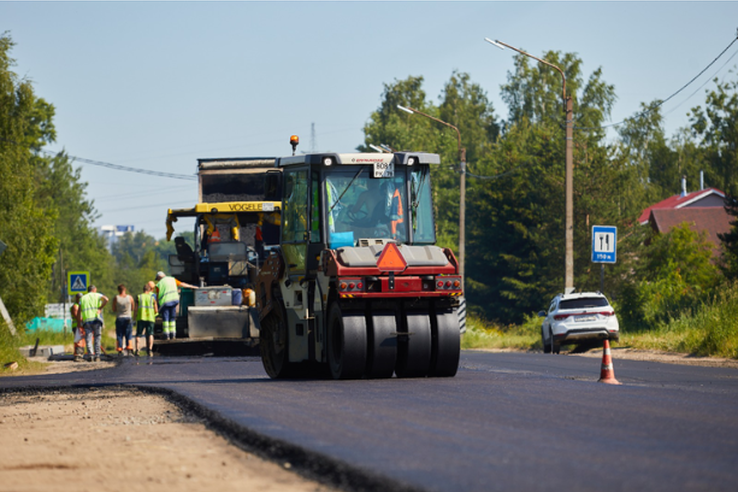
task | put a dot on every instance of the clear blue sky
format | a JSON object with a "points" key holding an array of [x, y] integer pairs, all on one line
{"points": [[158, 85]]}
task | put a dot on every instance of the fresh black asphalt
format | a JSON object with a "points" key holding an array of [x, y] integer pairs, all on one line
{"points": [[507, 421]]}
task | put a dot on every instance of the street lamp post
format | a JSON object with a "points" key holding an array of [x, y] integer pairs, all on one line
{"points": [[462, 187], [569, 180]]}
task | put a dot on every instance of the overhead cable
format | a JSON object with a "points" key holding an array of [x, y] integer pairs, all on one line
{"points": [[118, 167], [661, 102]]}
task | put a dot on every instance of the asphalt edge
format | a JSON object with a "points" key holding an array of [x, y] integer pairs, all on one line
{"points": [[306, 463]]}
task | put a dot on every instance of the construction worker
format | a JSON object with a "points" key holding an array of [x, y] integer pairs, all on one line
{"points": [[78, 330], [123, 309], [168, 297], [396, 214], [91, 306], [145, 311]]}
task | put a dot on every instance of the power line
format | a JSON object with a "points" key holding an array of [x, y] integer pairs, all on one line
{"points": [[109, 165], [706, 81], [660, 103], [118, 167]]}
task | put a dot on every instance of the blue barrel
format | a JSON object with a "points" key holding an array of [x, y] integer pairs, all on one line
{"points": [[236, 297]]}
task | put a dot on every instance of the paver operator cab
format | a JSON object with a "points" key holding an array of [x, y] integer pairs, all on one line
{"points": [[358, 285], [237, 220]]}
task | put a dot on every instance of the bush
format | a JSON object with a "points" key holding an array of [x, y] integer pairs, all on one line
{"points": [[675, 277], [709, 329]]}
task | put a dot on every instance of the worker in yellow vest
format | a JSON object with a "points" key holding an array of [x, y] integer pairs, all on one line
{"points": [[168, 297], [145, 310], [91, 306]]}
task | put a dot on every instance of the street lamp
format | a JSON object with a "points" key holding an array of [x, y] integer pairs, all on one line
{"points": [[462, 187], [569, 120]]}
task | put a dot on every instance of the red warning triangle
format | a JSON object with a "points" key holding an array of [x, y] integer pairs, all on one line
{"points": [[391, 260]]}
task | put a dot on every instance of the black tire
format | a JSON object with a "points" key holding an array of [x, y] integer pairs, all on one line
{"points": [[546, 345], [446, 344], [382, 346], [347, 343], [414, 358], [555, 347], [273, 341]]}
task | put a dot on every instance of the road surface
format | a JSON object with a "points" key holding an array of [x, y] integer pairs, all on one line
{"points": [[507, 421]]}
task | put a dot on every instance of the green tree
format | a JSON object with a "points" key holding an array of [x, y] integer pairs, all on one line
{"points": [[464, 105], [675, 273], [517, 231], [26, 226], [730, 240], [716, 127], [136, 260], [81, 248]]}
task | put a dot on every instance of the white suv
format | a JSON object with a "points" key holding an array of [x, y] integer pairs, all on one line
{"points": [[574, 318]]}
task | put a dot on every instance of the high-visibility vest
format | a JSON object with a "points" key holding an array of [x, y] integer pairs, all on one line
{"points": [[396, 213], [167, 290], [90, 304], [146, 311], [72, 312]]}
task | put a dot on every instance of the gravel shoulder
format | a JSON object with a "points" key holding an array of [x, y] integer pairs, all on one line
{"points": [[123, 439], [83, 439]]}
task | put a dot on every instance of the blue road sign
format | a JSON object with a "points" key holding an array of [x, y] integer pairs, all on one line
{"points": [[77, 282], [604, 244]]}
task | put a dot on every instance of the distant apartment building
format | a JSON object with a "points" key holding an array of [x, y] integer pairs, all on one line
{"points": [[112, 233]]}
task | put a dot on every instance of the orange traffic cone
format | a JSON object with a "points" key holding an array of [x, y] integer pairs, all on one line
{"points": [[607, 375]]}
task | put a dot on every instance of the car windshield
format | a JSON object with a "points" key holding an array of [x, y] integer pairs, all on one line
{"points": [[583, 302], [361, 206]]}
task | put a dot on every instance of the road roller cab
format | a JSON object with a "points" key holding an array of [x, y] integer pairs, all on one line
{"points": [[358, 288]]}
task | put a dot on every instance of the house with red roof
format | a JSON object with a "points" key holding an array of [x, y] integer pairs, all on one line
{"points": [[707, 198], [703, 210]]}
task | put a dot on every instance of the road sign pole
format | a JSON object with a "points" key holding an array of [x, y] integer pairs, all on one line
{"points": [[602, 278], [7, 318]]}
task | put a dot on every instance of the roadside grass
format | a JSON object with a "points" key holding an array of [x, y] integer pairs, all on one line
{"points": [[9, 352], [481, 334], [9, 345], [709, 330]]}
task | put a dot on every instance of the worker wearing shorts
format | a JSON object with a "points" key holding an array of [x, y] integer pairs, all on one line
{"points": [[123, 309], [146, 308]]}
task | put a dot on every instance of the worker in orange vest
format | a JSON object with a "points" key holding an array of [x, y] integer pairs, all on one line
{"points": [[78, 329]]}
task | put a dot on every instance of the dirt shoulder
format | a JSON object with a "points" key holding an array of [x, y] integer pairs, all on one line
{"points": [[123, 439], [647, 355]]}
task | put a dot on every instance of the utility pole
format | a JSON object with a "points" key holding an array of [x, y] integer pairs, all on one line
{"points": [[569, 239], [569, 164], [462, 188]]}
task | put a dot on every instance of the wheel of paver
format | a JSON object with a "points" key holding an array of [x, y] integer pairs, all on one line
{"points": [[273, 343], [382, 346], [546, 344], [414, 357], [347, 343], [446, 344]]}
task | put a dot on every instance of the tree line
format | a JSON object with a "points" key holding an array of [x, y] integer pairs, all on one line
{"points": [[46, 220], [515, 187], [515, 192]]}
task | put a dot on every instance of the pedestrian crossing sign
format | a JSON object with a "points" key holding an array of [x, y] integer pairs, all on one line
{"points": [[77, 282]]}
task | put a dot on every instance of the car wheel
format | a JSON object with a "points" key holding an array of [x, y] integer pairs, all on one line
{"points": [[546, 345], [555, 347]]}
